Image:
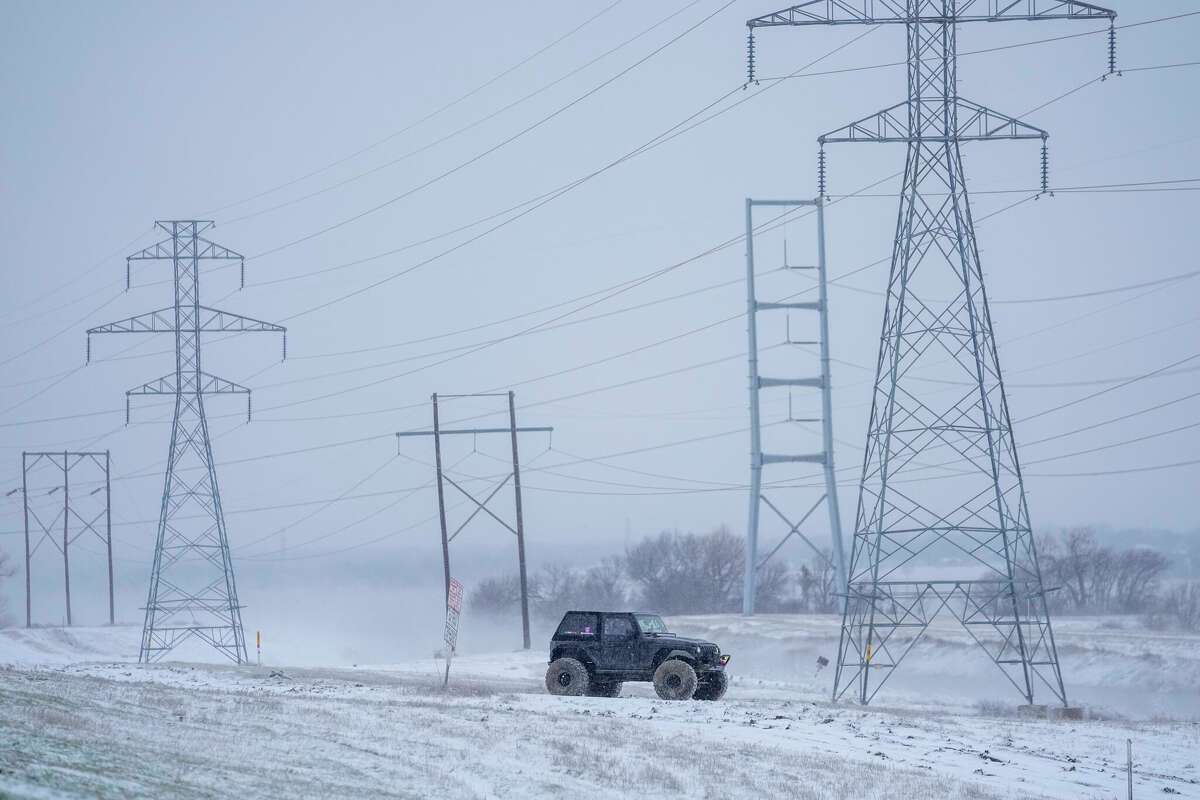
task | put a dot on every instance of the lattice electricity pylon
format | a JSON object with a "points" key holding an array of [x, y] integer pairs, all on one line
{"points": [[192, 589], [515, 476], [73, 519], [821, 382], [937, 331]]}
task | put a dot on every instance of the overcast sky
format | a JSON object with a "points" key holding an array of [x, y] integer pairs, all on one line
{"points": [[332, 142]]}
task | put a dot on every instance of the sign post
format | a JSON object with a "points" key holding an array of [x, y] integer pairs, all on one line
{"points": [[258, 644], [454, 597]]}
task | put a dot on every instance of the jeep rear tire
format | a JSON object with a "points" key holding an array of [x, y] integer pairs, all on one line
{"points": [[568, 677], [712, 686], [675, 680], [604, 688]]}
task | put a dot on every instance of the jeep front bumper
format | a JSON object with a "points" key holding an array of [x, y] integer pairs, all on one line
{"points": [[717, 663]]}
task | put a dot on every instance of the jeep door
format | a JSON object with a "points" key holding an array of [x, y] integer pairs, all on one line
{"points": [[619, 643]]}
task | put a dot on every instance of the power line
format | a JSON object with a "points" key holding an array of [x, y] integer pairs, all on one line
{"points": [[1123, 384], [1126, 471], [469, 126], [798, 73], [436, 112], [1110, 421], [546, 326], [1136, 440], [70, 282], [484, 153]]}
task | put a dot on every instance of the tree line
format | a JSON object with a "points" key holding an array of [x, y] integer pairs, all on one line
{"points": [[1086, 577], [670, 573], [675, 573]]}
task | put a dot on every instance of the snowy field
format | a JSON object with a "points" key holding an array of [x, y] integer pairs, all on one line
{"points": [[79, 719]]}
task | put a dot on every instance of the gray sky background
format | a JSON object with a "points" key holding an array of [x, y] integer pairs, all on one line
{"points": [[115, 115]]}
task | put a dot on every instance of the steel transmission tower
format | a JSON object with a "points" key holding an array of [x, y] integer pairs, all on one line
{"points": [[821, 382], [937, 332], [192, 589]]}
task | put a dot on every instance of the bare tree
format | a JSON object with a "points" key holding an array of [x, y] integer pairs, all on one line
{"points": [[1136, 580], [771, 594], [1098, 579], [816, 585], [555, 589], [552, 590], [655, 566], [1181, 606], [1075, 568], [687, 573], [496, 595], [603, 586]]}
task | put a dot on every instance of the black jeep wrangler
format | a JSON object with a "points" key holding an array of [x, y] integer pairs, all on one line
{"points": [[594, 652]]}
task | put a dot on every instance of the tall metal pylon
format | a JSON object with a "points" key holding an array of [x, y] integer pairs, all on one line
{"points": [[820, 382], [938, 387], [192, 589]]}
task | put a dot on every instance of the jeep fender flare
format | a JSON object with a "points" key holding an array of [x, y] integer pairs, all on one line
{"points": [[577, 653], [667, 655]]}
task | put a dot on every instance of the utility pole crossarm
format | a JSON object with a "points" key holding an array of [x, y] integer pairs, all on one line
{"points": [[476, 431], [880, 12], [975, 123]]}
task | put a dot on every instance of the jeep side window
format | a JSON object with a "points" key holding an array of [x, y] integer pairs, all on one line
{"points": [[618, 627], [578, 624]]}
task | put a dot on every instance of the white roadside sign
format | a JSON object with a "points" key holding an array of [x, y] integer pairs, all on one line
{"points": [[454, 599]]}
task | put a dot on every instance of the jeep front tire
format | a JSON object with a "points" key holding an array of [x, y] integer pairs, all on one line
{"points": [[675, 680], [712, 686], [567, 677]]}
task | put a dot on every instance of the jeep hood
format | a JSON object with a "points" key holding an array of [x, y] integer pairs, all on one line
{"points": [[682, 641]]}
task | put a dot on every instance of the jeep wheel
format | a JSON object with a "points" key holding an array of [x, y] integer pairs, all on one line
{"points": [[712, 686], [675, 680], [604, 688], [566, 676]]}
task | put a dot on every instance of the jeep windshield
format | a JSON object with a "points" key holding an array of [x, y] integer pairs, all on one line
{"points": [[651, 624]]}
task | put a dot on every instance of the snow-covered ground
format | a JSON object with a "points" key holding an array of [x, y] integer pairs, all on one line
{"points": [[79, 719]]}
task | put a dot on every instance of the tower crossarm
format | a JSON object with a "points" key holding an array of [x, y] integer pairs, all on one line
{"points": [[878, 12], [210, 320], [191, 384], [205, 249], [195, 248], [213, 319], [974, 123], [209, 384], [160, 321]]}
